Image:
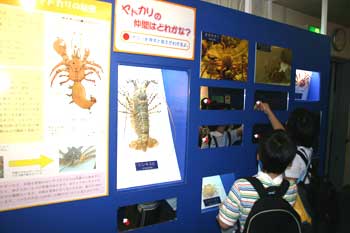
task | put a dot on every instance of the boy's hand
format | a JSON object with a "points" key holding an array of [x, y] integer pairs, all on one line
{"points": [[261, 106], [265, 107]]}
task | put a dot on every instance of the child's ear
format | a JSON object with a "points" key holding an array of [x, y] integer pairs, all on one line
{"points": [[257, 157]]}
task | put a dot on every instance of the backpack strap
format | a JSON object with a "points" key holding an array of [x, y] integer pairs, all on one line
{"points": [[278, 191], [215, 141], [258, 186], [229, 138], [302, 155]]}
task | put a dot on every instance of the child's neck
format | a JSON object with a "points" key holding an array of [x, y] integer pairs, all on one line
{"points": [[273, 175]]}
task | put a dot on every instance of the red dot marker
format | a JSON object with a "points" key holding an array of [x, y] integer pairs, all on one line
{"points": [[126, 36], [126, 221]]}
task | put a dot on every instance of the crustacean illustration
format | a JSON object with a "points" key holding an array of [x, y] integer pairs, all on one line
{"points": [[75, 69], [139, 106], [75, 156]]}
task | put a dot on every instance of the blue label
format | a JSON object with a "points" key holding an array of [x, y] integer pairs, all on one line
{"points": [[211, 37], [212, 201], [148, 165], [263, 47]]}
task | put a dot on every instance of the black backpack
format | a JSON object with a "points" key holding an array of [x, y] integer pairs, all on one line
{"points": [[271, 213]]}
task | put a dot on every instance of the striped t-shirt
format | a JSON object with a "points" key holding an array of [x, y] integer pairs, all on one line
{"points": [[242, 197]]}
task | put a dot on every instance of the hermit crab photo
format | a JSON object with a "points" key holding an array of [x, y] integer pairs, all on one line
{"points": [[77, 158]]}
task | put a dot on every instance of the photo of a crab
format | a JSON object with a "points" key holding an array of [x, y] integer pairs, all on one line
{"points": [[77, 158]]}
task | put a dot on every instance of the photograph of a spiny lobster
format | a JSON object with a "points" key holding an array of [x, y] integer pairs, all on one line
{"points": [[75, 68], [138, 104]]}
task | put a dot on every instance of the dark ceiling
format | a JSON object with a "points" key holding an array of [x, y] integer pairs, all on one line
{"points": [[338, 10]]}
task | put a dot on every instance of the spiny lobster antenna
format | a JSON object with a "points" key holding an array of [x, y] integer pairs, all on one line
{"points": [[147, 82]]}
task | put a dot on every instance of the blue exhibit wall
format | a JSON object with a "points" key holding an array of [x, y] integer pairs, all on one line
{"points": [[310, 52]]}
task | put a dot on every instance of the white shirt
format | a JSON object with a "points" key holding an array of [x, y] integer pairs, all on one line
{"points": [[222, 139], [297, 168]]}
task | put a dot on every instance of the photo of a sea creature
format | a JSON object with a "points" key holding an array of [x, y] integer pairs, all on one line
{"points": [[224, 57]]}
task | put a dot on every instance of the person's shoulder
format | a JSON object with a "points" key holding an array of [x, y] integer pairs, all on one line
{"points": [[292, 189], [242, 182], [304, 149]]}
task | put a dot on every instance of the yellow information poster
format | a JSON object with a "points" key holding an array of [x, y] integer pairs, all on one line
{"points": [[54, 99]]}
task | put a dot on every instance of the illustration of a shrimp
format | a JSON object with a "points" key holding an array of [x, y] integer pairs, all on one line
{"points": [[138, 106], [75, 69]]}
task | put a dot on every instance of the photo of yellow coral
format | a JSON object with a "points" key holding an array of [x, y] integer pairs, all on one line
{"points": [[224, 57]]}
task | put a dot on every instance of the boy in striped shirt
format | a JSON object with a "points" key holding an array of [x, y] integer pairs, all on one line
{"points": [[276, 152]]}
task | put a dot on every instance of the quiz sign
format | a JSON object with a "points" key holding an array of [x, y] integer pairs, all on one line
{"points": [[154, 28]]}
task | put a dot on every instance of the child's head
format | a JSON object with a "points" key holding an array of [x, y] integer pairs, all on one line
{"points": [[276, 151], [221, 128], [302, 127]]}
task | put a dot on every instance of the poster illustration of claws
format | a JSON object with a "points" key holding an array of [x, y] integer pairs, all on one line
{"points": [[75, 67], [147, 126]]}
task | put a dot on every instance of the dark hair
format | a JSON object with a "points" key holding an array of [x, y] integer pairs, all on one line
{"points": [[276, 151], [302, 127]]}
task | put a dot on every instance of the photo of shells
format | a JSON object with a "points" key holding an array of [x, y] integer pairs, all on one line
{"points": [[224, 57], [213, 192], [1, 167], [77, 158], [209, 190], [273, 65]]}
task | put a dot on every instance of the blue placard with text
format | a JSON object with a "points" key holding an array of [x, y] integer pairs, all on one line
{"points": [[212, 201], [148, 165]]}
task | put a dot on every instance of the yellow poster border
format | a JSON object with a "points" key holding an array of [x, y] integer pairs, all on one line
{"points": [[106, 9], [87, 8]]}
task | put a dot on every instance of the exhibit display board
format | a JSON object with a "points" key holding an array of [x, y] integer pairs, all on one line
{"points": [[148, 127], [53, 102]]}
